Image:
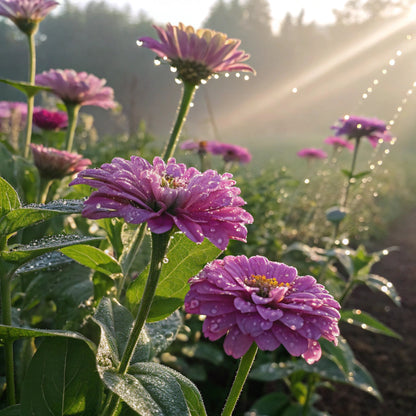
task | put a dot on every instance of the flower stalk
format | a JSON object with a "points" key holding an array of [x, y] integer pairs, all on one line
{"points": [[351, 175], [72, 110], [6, 308], [240, 378], [188, 92], [30, 98], [160, 244]]}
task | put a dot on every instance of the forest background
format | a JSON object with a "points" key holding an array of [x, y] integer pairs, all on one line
{"points": [[308, 75]]}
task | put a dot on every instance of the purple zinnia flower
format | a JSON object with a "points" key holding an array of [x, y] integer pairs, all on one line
{"points": [[56, 164], [231, 152], [312, 153], [256, 300], [338, 142], [26, 14], [197, 54], [355, 127], [50, 120], [166, 195], [77, 88]]}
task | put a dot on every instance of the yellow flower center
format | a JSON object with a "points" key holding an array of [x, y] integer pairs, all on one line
{"points": [[264, 284], [171, 182]]}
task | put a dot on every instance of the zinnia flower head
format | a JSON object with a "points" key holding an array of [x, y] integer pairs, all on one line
{"points": [[197, 54], [312, 153], [355, 127], [56, 164], [338, 142], [231, 152], [77, 88], [26, 14], [201, 146], [50, 120], [165, 195], [256, 300]]}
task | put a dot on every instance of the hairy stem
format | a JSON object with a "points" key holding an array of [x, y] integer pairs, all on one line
{"points": [[72, 110], [6, 309], [159, 247], [240, 378], [187, 96], [30, 98]]}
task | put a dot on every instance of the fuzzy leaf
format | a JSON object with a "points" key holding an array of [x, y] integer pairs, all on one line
{"points": [[31, 214], [22, 254]]}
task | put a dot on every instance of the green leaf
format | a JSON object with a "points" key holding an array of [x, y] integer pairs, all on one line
{"points": [[151, 388], [113, 228], [22, 254], [9, 200], [11, 411], [163, 333], [11, 332], [31, 214], [346, 173], [271, 404], [93, 257], [360, 175], [28, 89], [116, 322], [67, 286], [184, 260], [61, 380], [367, 322], [374, 281]]}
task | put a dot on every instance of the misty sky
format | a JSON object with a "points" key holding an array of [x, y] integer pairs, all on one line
{"points": [[193, 12]]}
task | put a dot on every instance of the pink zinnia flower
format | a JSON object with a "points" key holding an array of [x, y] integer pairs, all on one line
{"points": [[338, 142], [77, 88], [26, 14], [312, 153], [56, 164], [355, 127], [50, 120], [166, 195], [201, 146], [256, 300], [197, 54], [231, 152]]}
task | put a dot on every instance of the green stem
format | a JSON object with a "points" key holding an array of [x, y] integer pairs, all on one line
{"points": [[30, 98], [72, 110], [348, 289], [240, 378], [159, 246], [6, 308], [44, 186], [188, 92], [128, 260], [351, 175], [309, 392]]}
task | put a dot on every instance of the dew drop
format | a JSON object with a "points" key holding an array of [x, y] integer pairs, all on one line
{"points": [[139, 43]]}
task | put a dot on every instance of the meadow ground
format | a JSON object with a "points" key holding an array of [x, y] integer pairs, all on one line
{"points": [[392, 362]]}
